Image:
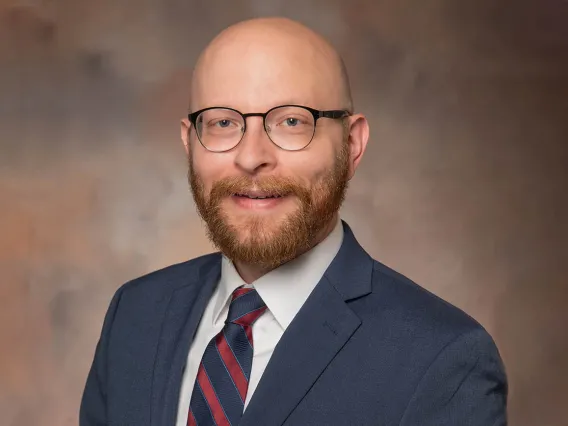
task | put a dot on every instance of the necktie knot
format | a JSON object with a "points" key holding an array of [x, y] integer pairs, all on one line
{"points": [[246, 307]]}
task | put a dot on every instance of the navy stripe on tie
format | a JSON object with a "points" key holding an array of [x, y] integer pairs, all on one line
{"points": [[236, 320], [244, 304], [200, 408], [240, 345], [228, 372], [234, 354], [225, 389]]}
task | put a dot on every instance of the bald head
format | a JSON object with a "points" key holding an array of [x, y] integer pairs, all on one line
{"points": [[262, 63]]}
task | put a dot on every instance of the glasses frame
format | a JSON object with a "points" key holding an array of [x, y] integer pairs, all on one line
{"points": [[317, 114]]}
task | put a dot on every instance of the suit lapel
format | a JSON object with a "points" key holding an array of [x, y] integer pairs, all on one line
{"points": [[183, 313], [321, 328], [312, 340]]}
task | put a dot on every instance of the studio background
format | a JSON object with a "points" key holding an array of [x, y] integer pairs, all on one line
{"points": [[463, 187]]}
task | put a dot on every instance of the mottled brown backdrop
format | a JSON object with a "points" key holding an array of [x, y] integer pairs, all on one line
{"points": [[463, 188]]}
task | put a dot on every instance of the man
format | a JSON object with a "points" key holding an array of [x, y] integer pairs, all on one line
{"points": [[292, 323]]}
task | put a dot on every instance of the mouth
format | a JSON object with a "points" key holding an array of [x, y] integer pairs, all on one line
{"points": [[257, 200], [257, 196]]}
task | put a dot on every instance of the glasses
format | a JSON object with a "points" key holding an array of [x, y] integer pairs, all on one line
{"points": [[290, 127]]}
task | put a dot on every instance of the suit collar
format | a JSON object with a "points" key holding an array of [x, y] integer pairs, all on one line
{"points": [[351, 270]]}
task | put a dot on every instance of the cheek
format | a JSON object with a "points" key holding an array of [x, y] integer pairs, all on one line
{"points": [[314, 167], [208, 168]]}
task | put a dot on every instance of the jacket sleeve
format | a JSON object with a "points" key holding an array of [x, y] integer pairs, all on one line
{"points": [[466, 385], [93, 409]]}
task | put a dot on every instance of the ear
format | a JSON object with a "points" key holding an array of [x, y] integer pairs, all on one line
{"points": [[357, 140], [185, 128]]}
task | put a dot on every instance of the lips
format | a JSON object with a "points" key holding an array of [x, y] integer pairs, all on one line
{"points": [[257, 195], [256, 201]]}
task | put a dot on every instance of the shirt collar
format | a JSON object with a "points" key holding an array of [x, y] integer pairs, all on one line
{"points": [[286, 288]]}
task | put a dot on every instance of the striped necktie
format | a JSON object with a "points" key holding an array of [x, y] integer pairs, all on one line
{"points": [[221, 385]]}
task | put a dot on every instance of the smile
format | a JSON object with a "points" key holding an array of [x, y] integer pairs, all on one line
{"points": [[258, 201], [257, 197]]}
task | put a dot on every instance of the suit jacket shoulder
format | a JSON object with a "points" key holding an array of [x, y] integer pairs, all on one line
{"points": [[169, 278], [415, 308]]}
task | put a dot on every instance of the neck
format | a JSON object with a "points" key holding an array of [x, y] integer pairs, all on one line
{"points": [[251, 272]]}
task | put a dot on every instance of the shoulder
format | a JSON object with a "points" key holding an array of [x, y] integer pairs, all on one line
{"points": [[414, 304], [410, 329], [169, 278], [401, 312], [144, 297], [449, 359]]}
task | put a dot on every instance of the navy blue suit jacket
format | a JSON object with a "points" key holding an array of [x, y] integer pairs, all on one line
{"points": [[368, 347]]}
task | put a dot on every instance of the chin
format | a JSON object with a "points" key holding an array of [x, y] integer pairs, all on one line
{"points": [[255, 225], [256, 219]]}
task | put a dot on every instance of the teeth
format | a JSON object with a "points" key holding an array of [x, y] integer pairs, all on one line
{"points": [[258, 197]]}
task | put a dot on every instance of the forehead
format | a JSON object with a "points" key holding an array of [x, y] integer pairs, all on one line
{"points": [[257, 77]]}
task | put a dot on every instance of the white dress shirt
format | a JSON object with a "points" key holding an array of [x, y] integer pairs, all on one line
{"points": [[284, 290]]}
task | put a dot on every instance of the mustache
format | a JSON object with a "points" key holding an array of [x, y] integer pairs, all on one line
{"points": [[271, 184]]}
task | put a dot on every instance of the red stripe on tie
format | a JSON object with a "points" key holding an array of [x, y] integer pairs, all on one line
{"points": [[191, 419], [250, 318], [211, 398], [240, 291], [228, 358]]}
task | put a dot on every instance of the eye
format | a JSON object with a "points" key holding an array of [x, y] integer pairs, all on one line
{"points": [[293, 122], [224, 123], [218, 124]]}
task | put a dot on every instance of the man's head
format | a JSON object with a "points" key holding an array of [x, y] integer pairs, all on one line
{"points": [[300, 161]]}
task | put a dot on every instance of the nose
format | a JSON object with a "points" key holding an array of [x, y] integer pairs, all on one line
{"points": [[256, 152]]}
